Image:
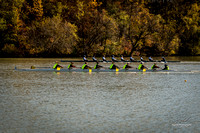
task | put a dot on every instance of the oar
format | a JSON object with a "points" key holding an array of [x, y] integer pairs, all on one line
{"points": [[107, 68], [116, 69], [145, 69]]}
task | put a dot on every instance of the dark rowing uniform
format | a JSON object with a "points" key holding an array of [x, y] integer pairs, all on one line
{"points": [[56, 66], [150, 59], [84, 58], [113, 58], [131, 58], [97, 66], [141, 67], [122, 58], [154, 67], [113, 66], [163, 59], [126, 66], [71, 66], [85, 66], [141, 58], [166, 67], [94, 59], [104, 59]]}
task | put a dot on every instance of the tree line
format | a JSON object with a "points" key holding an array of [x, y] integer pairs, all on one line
{"points": [[54, 28]]}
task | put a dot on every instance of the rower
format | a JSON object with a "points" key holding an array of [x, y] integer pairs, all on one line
{"points": [[113, 58], [97, 66], [94, 59], [154, 67], [163, 59], [141, 58], [150, 59], [127, 66], [113, 66], [166, 67], [104, 58], [141, 66], [131, 58], [57, 65], [85, 66], [71, 65], [84, 58], [122, 58]]}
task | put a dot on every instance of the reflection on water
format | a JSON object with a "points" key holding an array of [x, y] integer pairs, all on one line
{"points": [[97, 102]]}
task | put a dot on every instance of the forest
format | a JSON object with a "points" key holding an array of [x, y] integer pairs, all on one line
{"points": [[73, 28]]}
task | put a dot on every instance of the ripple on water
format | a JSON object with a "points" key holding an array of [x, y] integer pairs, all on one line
{"points": [[99, 102]]}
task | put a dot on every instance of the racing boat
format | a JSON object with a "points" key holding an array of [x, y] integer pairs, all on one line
{"points": [[172, 61], [90, 70]]}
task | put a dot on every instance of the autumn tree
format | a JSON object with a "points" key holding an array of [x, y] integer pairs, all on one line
{"points": [[153, 27], [32, 10], [9, 15], [138, 27], [190, 37], [52, 37], [183, 18]]}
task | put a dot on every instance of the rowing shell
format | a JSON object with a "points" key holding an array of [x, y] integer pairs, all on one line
{"points": [[115, 61], [92, 70], [109, 70]]}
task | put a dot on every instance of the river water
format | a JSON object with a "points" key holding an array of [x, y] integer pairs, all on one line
{"points": [[98, 102]]}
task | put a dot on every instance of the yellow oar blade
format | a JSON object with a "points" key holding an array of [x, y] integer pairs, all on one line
{"points": [[58, 69], [117, 70], [90, 70], [32, 67], [144, 70]]}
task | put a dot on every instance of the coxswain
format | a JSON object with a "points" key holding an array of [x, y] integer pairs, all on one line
{"points": [[97, 66], [141, 66], [122, 58], [104, 58], [150, 59], [57, 65], [84, 58], [85, 66], [163, 59], [154, 67], [113, 58], [94, 59], [131, 58], [166, 67], [113, 66], [126, 66], [71, 65], [141, 58]]}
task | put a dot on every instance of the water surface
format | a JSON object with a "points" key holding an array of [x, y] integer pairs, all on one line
{"points": [[98, 102]]}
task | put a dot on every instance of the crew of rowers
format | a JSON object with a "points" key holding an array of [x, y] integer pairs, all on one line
{"points": [[113, 66], [122, 59]]}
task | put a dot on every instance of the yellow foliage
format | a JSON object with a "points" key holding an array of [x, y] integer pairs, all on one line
{"points": [[80, 10], [9, 48], [172, 52]]}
